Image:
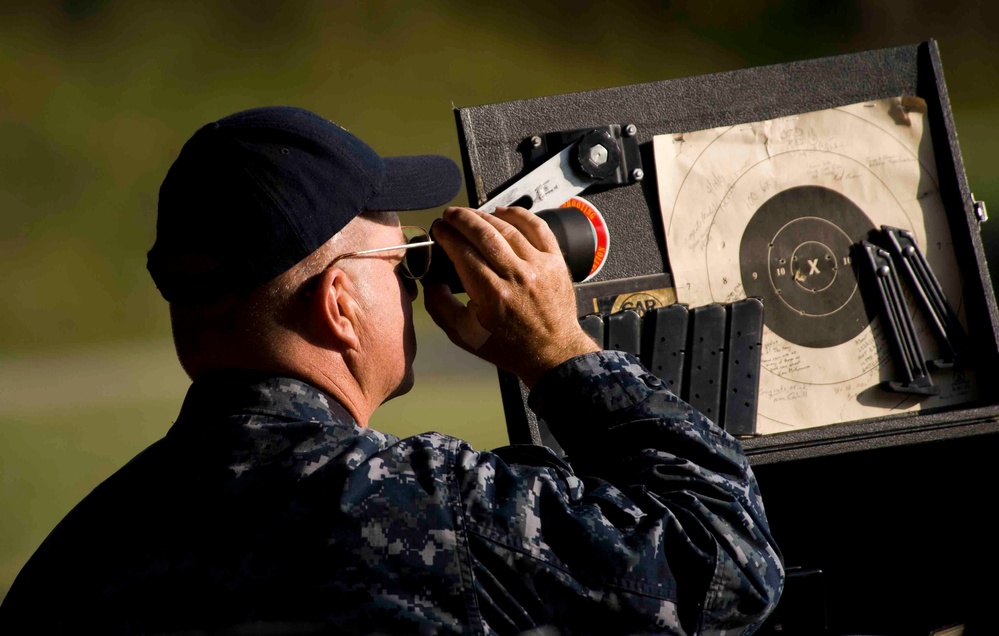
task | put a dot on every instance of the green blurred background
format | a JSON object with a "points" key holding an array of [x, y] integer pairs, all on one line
{"points": [[97, 97]]}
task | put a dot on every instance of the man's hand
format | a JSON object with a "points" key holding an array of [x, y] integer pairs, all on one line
{"points": [[521, 314]]}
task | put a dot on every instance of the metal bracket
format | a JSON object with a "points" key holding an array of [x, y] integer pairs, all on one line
{"points": [[605, 156]]}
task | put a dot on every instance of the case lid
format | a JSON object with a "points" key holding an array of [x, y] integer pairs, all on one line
{"points": [[497, 150]]}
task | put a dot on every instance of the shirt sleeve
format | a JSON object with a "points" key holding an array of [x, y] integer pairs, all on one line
{"points": [[658, 526]]}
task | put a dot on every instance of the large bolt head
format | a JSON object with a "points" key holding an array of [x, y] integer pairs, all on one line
{"points": [[598, 155]]}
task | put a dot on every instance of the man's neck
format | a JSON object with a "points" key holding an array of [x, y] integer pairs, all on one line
{"points": [[332, 375]]}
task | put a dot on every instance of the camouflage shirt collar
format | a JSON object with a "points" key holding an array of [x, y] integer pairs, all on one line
{"points": [[234, 392]]}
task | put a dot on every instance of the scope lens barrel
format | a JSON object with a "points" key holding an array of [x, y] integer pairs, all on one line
{"points": [[573, 231]]}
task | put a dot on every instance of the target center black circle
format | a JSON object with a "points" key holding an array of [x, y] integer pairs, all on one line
{"points": [[795, 254]]}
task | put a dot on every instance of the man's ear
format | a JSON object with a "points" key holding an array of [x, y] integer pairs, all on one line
{"points": [[334, 309]]}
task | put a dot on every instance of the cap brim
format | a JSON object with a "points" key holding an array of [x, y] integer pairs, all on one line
{"points": [[416, 183]]}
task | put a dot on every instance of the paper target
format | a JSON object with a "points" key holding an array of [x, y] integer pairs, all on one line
{"points": [[773, 209]]}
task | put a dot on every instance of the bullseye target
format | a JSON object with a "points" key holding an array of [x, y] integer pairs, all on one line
{"points": [[774, 209]]}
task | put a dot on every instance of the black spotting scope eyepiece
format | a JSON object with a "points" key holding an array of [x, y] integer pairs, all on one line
{"points": [[575, 235]]}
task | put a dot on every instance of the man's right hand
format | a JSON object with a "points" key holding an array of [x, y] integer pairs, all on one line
{"points": [[521, 314]]}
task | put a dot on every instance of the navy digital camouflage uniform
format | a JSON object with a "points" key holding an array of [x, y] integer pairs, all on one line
{"points": [[267, 509]]}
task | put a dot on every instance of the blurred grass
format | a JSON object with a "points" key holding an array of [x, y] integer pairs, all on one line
{"points": [[98, 96]]}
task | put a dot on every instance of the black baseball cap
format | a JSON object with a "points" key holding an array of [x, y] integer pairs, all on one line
{"points": [[254, 193]]}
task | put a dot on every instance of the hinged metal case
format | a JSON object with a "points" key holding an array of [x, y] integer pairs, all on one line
{"points": [[895, 511], [492, 139]]}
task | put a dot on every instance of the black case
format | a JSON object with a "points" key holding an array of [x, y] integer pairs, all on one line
{"points": [[893, 512], [492, 139]]}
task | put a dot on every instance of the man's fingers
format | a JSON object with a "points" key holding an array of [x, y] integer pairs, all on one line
{"points": [[485, 236], [443, 308], [522, 245], [531, 226], [472, 267], [471, 332], [458, 321]]}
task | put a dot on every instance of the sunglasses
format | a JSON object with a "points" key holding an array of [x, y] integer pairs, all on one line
{"points": [[415, 262]]}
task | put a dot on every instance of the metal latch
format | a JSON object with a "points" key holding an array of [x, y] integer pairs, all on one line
{"points": [[980, 212]]}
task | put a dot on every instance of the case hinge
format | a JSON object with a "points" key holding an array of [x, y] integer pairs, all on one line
{"points": [[980, 212]]}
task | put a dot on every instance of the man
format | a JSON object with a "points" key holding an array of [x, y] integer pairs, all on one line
{"points": [[269, 507]]}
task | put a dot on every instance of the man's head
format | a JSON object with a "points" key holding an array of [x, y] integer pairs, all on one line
{"points": [[251, 214]]}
